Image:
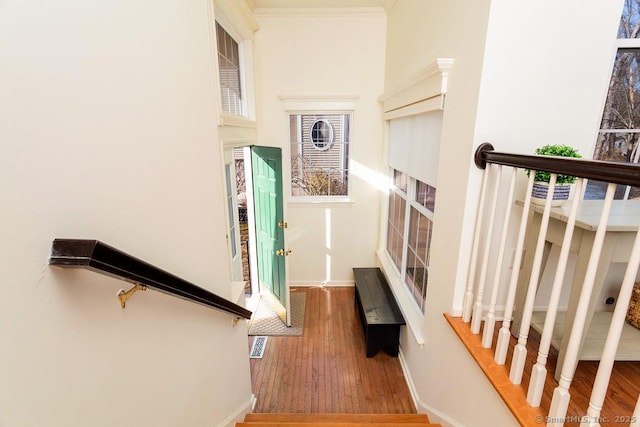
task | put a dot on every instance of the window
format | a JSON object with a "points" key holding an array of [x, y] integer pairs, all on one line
{"points": [[319, 154], [396, 218], [230, 192], [409, 228], [229, 68], [620, 127]]}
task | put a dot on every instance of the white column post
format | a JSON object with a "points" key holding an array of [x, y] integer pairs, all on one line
{"points": [[539, 371], [468, 296], [476, 317], [601, 383], [520, 351], [561, 396], [504, 335], [489, 323]]}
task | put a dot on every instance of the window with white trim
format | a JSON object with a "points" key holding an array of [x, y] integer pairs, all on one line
{"points": [[409, 229], [231, 90], [319, 154], [620, 127]]}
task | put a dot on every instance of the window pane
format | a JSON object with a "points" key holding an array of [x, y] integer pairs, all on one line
{"points": [[400, 180], [426, 195], [319, 154], [419, 241], [229, 69], [621, 109], [629, 21], [424, 231], [411, 262]]}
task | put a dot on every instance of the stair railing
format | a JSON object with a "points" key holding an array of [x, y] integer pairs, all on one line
{"points": [[521, 292], [99, 257]]}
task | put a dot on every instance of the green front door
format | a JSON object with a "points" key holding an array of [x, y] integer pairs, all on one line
{"points": [[266, 164]]}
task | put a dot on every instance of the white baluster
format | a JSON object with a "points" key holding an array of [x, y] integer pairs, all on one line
{"points": [[489, 323], [539, 371], [476, 317], [504, 335], [607, 359], [561, 395], [520, 351], [468, 296]]}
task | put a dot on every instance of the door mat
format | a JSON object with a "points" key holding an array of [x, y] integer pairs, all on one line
{"points": [[265, 321], [257, 349]]}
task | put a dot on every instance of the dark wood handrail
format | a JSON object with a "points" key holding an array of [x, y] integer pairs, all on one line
{"points": [[618, 173], [99, 257]]}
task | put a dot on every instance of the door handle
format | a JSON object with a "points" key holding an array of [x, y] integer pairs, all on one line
{"points": [[283, 224], [282, 252]]}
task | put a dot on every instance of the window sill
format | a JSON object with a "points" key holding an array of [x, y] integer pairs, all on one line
{"points": [[411, 313], [227, 119]]}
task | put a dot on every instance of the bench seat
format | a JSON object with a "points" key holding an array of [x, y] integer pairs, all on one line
{"points": [[379, 313]]}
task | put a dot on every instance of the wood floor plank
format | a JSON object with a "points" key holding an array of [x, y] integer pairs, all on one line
{"points": [[325, 370]]}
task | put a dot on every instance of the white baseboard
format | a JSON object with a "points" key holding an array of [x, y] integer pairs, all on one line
{"points": [[435, 416], [238, 414], [316, 283]]}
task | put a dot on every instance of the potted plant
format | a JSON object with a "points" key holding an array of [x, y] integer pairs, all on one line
{"points": [[564, 183]]}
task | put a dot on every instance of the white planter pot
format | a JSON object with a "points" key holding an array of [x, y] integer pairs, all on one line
{"points": [[561, 193]]}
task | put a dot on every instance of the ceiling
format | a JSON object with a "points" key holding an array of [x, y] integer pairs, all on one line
{"points": [[317, 3]]}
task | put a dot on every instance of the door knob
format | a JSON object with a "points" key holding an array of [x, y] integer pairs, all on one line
{"points": [[280, 252]]}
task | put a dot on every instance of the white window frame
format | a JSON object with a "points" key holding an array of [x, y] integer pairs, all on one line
{"points": [[619, 44], [240, 26], [410, 202], [318, 105]]}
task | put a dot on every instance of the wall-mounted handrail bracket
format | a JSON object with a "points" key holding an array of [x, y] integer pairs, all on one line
{"points": [[123, 295]]}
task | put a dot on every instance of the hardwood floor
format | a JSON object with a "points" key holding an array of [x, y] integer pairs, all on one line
{"points": [[325, 370]]}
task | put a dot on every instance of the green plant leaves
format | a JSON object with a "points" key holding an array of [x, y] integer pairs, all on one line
{"points": [[557, 150]]}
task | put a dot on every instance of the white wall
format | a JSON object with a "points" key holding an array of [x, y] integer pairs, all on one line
{"points": [[540, 78], [302, 54], [554, 89], [108, 131]]}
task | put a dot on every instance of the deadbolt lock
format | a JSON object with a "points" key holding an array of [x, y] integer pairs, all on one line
{"points": [[282, 252], [283, 224]]}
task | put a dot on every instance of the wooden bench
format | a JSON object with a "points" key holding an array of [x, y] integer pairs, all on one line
{"points": [[379, 313]]}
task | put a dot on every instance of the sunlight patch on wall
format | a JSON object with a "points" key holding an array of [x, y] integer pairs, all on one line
{"points": [[376, 179]]}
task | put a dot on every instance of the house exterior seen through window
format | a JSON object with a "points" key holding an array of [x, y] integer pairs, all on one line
{"points": [[620, 127], [409, 229], [229, 69], [319, 154]]}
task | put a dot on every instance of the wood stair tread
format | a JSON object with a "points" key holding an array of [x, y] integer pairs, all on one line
{"points": [[335, 424], [344, 418], [337, 420]]}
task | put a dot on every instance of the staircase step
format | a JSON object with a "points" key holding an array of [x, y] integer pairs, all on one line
{"points": [[336, 420], [342, 418], [334, 424]]}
